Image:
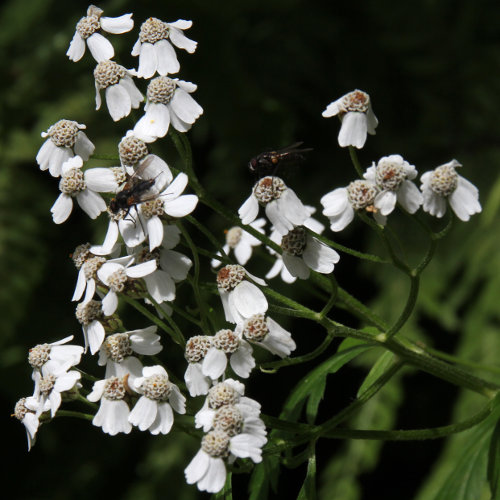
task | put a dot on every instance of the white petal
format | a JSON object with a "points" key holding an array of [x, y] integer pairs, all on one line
{"points": [[81, 284], [246, 446], [279, 221], [434, 203], [320, 257], [142, 269], [62, 208], [385, 202], [131, 230], [464, 200], [185, 107], [167, 60], [95, 334], [145, 341], [196, 382], [214, 364], [164, 420], [182, 41], [118, 101], [296, 266], [242, 252], [177, 400], [161, 286], [102, 180], [214, 479], [155, 232], [100, 47], [292, 207], [197, 468], [248, 299], [249, 210], [135, 95], [176, 264], [332, 109], [242, 361], [154, 123], [144, 413], [117, 25], [410, 196], [181, 24], [354, 129], [76, 48], [109, 303], [83, 146], [339, 222], [109, 240], [91, 203]]}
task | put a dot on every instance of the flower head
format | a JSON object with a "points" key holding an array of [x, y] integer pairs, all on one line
{"points": [[393, 176], [168, 102], [283, 207], [121, 93], [65, 139], [355, 111], [88, 32], [443, 183], [154, 46]]}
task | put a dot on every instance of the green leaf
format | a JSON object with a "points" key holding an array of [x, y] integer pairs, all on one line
{"points": [[312, 385], [381, 365], [493, 471], [308, 490], [264, 476]]}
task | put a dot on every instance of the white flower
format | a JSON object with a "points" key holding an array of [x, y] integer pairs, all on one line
{"points": [[393, 176], [172, 268], [91, 316], [87, 30], [121, 93], [355, 111], [51, 380], [241, 242], [153, 410], [340, 204], [264, 331], [196, 349], [279, 266], [443, 183], [113, 411], [77, 184], [132, 150], [117, 347], [302, 252], [172, 203], [228, 344], [57, 352], [27, 411], [237, 432], [240, 298], [154, 49], [283, 207], [65, 140], [168, 102], [116, 276]]}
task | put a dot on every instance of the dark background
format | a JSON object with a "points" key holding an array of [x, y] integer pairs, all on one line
{"points": [[265, 71]]}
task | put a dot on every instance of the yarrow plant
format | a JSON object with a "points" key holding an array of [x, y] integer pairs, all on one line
{"points": [[238, 325]]}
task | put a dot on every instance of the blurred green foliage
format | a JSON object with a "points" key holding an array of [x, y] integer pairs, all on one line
{"points": [[265, 71]]}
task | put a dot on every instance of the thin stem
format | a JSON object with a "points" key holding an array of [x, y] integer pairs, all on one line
{"points": [[410, 305], [168, 319], [332, 299], [74, 414], [355, 161]]}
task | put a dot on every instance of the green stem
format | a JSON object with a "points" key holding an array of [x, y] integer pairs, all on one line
{"points": [[410, 305], [75, 414], [168, 319], [355, 161]]}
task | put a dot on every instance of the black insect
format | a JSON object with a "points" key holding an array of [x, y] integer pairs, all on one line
{"points": [[145, 184], [268, 162]]}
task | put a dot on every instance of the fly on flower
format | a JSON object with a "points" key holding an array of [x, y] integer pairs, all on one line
{"points": [[268, 162], [145, 184]]}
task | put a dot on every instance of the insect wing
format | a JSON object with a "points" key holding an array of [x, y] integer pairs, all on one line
{"points": [[154, 168]]}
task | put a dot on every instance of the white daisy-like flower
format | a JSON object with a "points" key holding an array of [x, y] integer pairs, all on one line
{"points": [[169, 203], [132, 150], [65, 140], [393, 176], [240, 298], [443, 183], [168, 102], [279, 266], [302, 252], [27, 411], [236, 433], [196, 381], [172, 268], [358, 119], [153, 410], [241, 242], [88, 31], [120, 91], [57, 352], [116, 276], [75, 183], [91, 316], [341, 204], [230, 392], [283, 207], [52, 379], [118, 347], [226, 344], [154, 49], [264, 331], [113, 412]]}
